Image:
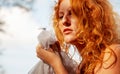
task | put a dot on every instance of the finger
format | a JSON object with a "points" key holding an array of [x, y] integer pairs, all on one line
{"points": [[39, 50], [50, 50], [42, 53]]}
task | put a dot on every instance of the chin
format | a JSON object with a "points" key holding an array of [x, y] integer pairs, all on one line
{"points": [[69, 39]]}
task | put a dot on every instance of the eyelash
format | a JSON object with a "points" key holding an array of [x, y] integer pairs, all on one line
{"points": [[61, 16], [68, 14]]}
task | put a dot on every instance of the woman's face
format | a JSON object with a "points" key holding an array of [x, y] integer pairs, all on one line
{"points": [[68, 24]]}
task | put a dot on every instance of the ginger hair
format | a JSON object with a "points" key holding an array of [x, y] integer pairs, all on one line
{"points": [[98, 26]]}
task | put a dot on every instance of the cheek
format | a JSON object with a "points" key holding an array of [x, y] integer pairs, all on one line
{"points": [[75, 26]]}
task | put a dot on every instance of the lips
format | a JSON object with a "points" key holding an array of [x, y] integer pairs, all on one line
{"points": [[67, 30]]}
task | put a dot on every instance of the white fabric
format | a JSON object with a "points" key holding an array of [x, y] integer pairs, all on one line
{"points": [[43, 68], [74, 54], [46, 38]]}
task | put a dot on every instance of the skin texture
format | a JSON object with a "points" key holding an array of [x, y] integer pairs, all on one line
{"points": [[67, 23], [90, 26], [115, 68], [51, 58]]}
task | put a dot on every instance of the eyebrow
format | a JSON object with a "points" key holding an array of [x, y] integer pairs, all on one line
{"points": [[61, 11]]}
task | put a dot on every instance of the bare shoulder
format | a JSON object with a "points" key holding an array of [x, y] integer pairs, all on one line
{"points": [[111, 56], [111, 60], [116, 48]]}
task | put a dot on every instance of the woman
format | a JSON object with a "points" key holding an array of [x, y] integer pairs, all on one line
{"points": [[90, 26]]}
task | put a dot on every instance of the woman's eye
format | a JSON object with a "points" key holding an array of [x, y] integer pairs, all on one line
{"points": [[61, 16]]}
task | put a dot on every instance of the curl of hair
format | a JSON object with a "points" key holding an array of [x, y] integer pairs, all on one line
{"points": [[96, 18]]}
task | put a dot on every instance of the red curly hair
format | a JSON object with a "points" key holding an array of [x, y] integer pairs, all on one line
{"points": [[97, 20]]}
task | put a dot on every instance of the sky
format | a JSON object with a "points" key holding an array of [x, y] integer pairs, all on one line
{"points": [[24, 26], [21, 24], [22, 30], [19, 42]]}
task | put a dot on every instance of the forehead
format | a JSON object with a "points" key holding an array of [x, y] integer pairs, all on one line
{"points": [[65, 4]]}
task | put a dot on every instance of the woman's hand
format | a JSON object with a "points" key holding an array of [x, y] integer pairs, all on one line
{"points": [[51, 58], [48, 55]]}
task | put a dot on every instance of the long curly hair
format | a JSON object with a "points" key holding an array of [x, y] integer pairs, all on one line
{"points": [[98, 26]]}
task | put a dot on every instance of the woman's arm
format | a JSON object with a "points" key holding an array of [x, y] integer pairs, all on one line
{"points": [[52, 59], [108, 66]]}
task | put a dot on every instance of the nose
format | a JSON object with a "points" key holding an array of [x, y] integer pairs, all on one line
{"points": [[66, 20]]}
